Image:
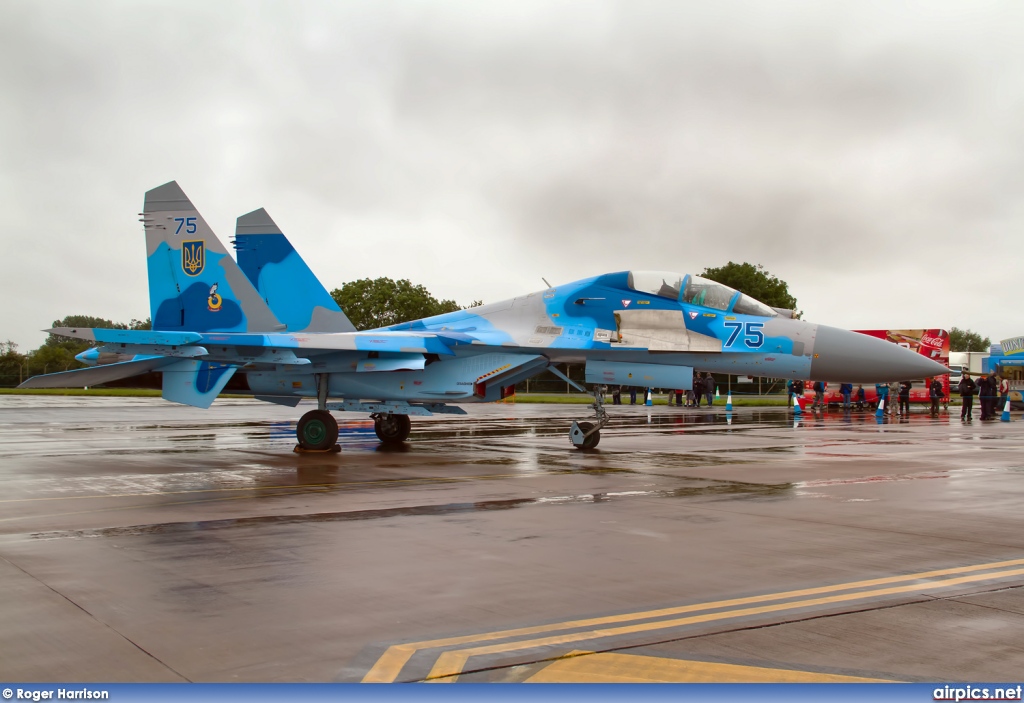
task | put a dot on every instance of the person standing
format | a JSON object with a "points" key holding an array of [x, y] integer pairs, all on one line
{"points": [[789, 393], [679, 397], [1004, 392], [616, 395], [935, 393], [993, 394], [819, 396], [861, 397], [905, 387], [698, 387], [985, 391], [882, 395], [709, 389], [893, 397], [967, 388], [632, 395], [845, 389]]}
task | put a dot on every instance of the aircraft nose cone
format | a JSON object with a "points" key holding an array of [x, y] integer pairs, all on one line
{"points": [[851, 357]]}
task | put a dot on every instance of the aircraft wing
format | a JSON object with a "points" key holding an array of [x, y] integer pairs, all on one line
{"points": [[219, 344], [94, 375]]}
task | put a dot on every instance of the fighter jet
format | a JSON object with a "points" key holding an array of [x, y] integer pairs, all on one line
{"points": [[638, 328]]}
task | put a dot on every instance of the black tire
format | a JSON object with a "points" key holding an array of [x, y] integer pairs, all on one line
{"points": [[590, 441], [392, 429], [317, 429]]}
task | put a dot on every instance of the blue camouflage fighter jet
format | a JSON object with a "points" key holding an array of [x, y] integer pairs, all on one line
{"points": [[269, 317]]}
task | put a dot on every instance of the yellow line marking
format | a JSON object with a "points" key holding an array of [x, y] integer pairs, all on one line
{"points": [[450, 664], [634, 668], [387, 668], [390, 664]]}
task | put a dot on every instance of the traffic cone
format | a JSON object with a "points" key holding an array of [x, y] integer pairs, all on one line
{"points": [[1006, 411], [648, 400], [717, 397], [728, 402], [881, 407], [796, 405]]}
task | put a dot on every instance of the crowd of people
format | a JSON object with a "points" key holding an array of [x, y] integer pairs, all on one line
{"points": [[702, 388], [894, 397], [992, 390]]}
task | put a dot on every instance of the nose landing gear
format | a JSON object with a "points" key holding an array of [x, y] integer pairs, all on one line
{"points": [[586, 435]]}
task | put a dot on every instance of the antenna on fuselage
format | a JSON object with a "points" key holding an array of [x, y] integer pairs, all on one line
{"points": [[545, 281]]}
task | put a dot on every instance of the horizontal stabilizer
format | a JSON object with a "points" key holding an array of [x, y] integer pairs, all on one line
{"points": [[186, 352], [107, 336], [93, 376], [289, 349], [380, 341]]}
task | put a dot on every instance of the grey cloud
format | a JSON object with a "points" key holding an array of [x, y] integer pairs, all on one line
{"points": [[506, 141]]}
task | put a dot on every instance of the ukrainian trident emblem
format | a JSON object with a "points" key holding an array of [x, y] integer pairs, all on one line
{"points": [[193, 257]]}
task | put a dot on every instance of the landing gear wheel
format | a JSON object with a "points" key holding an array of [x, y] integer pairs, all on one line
{"points": [[392, 429], [590, 441], [317, 430]]}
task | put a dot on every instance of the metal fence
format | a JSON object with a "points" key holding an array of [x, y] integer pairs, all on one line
{"points": [[548, 383], [10, 380]]}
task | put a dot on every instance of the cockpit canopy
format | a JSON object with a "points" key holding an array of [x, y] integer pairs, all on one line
{"points": [[697, 291]]}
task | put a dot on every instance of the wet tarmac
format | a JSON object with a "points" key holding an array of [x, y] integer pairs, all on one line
{"points": [[143, 541]]}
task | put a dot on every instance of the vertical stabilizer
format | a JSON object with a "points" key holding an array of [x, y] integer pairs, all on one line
{"points": [[282, 277], [194, 284]]}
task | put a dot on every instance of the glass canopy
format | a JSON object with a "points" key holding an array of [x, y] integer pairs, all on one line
{"points": [[697, 291]]}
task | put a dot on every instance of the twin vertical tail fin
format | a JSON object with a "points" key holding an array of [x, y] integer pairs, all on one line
{"points": [[283, 279], [194, 284]]}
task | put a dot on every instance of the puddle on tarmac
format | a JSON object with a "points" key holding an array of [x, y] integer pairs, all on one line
{"points": [[700, 488]]}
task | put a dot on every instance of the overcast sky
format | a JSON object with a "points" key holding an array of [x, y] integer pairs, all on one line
{"points": [[871, 154]]}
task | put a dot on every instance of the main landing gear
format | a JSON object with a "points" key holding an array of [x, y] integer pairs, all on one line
{"points": [[586, 435], [391, 428], [317, 431]]}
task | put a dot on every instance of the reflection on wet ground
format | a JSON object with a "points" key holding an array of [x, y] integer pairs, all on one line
{"points": [[201, 537], [701, 488]]}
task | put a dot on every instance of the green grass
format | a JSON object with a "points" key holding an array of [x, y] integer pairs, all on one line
{"points": [[557, 398], [100, 392]]}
